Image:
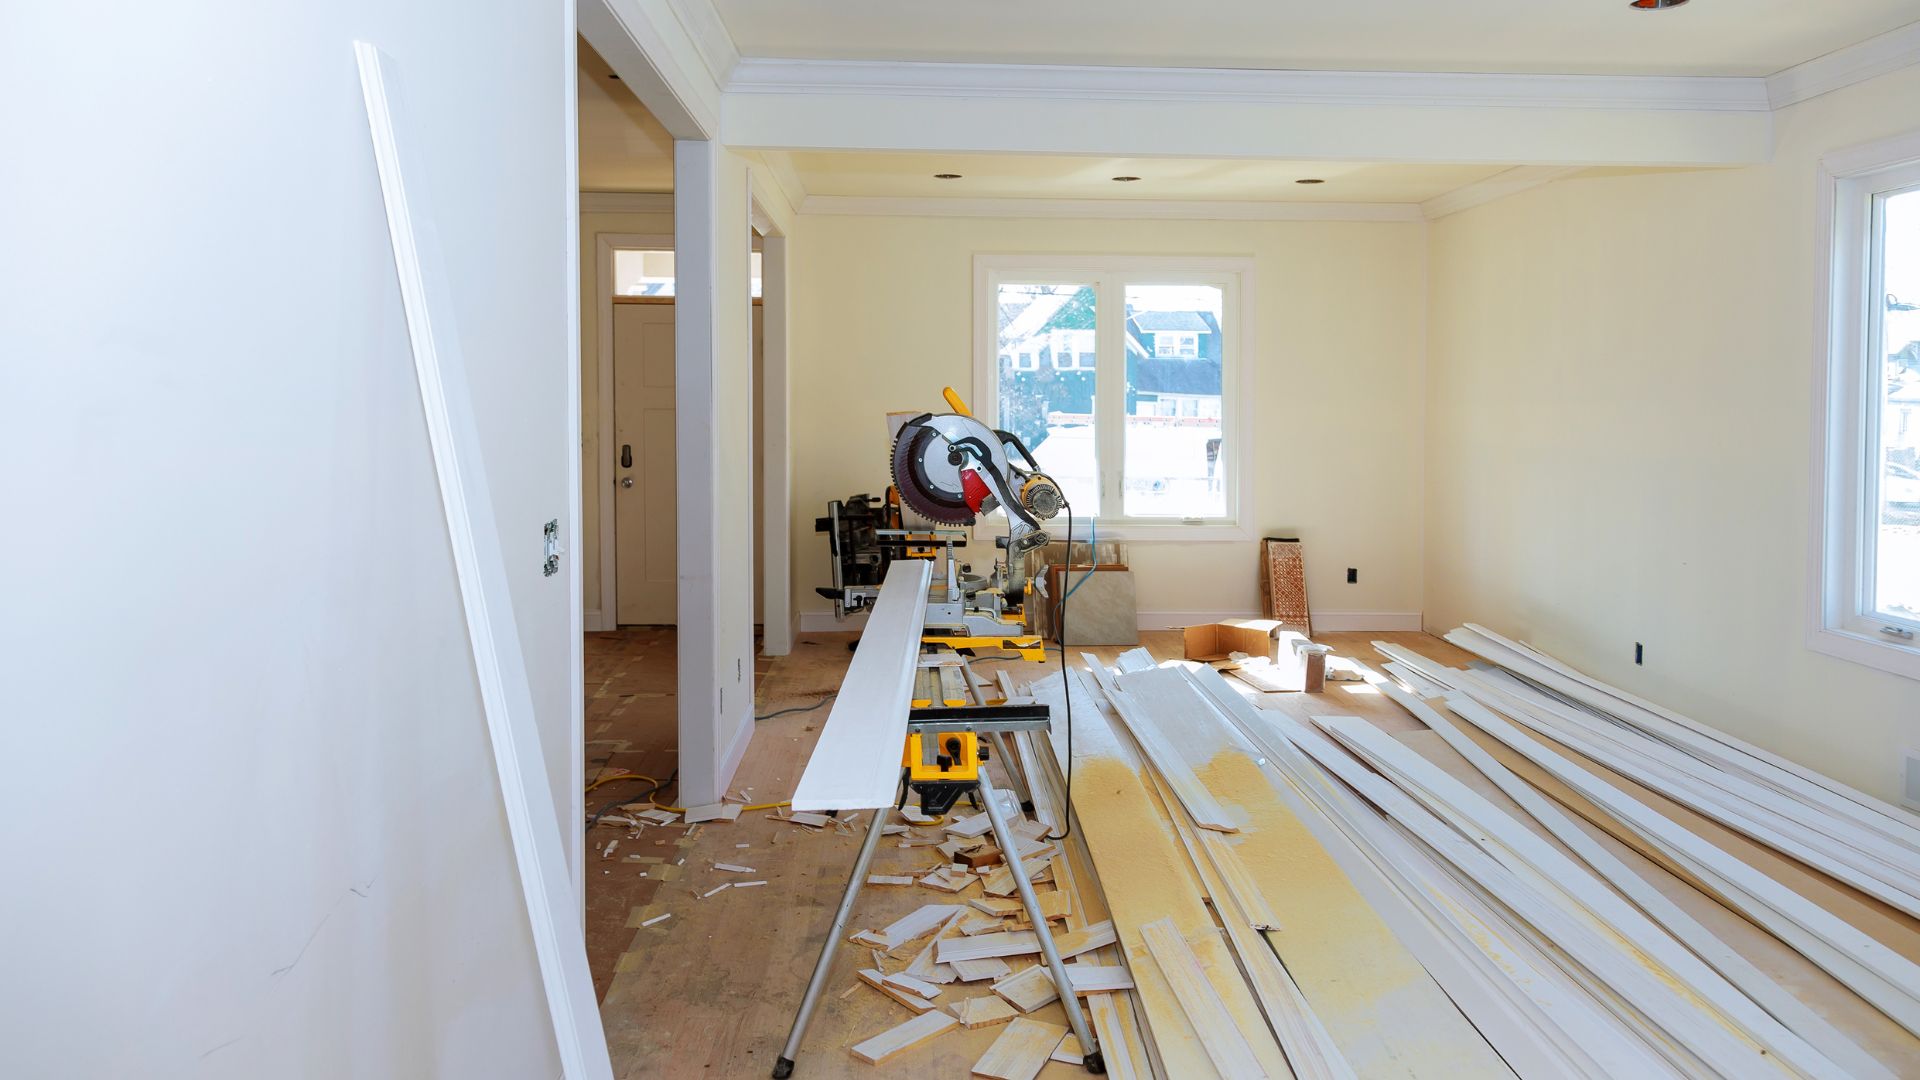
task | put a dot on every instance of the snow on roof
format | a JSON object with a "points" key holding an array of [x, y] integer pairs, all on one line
{"points": [[1154, 322]]}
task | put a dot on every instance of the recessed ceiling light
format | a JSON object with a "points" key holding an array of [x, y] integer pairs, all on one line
{"points": [[946, 176], [1310, 180], [1125, 179], [1653, 5]]}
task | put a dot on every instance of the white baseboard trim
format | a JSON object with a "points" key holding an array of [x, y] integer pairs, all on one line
{"points": [[815, 622], [591, 620]]}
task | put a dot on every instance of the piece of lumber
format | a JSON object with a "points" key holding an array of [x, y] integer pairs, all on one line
{"points": [[982, 946], [811, 821], [875, 978], [1085, 939], [1001, 906], [967, 827], [903, 981], [1028, 990], [1223, 1040], [979, 1012], [1150, 706], [1020, 1050], [855, 765], [889, 879], [918, 923], [713, 812], [978, 970], [895, 1041]]}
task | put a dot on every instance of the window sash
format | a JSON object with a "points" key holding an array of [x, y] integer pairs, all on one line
{"points": [[1110, 277], [1849, 404]]}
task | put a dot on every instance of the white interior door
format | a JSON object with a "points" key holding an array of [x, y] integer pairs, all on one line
{"points": [[644, 460]]}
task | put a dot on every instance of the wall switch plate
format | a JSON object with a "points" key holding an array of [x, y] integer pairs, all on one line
{"points": [[1639, 652], [1910, 779]]}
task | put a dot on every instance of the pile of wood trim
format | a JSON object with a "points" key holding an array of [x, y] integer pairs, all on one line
{"points": [[1313, 897]]}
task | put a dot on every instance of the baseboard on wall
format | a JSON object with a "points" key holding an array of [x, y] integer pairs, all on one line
{"points": [[592, 621], [815, 622]]}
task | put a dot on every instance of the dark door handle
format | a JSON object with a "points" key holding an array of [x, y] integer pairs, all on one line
{"points": [[626, 455]]}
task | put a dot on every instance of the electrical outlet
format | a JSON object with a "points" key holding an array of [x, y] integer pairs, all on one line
{"points": [[1353, 575], [1910, 782], [1639, 652]]}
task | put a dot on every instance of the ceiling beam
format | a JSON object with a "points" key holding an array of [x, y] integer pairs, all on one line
{"points": [[1157, 112], [646, 44]]}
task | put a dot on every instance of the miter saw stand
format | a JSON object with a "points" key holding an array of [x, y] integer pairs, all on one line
{"points": [[944, 759]]}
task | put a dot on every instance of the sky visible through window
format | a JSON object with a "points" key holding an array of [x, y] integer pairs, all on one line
{"points": [[1897, 457]]}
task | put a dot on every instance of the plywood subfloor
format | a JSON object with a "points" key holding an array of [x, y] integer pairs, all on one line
{"points": [[710, 992]]}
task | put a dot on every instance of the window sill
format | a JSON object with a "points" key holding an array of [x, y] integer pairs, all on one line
{"points": [[1895, 658], [1138, 533]]}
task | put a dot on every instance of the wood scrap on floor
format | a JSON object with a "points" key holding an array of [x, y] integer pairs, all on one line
{"points": [[1020, 1051], [893, 1042]]}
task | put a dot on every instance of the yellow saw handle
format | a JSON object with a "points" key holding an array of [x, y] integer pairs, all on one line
{"points": [[954, 402]]}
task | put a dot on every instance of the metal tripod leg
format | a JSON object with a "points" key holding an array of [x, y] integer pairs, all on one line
{"points": [[783, 1068], [998, 740], [1069, 1001]]}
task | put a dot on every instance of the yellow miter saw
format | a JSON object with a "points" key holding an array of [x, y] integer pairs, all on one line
{"points": [[952, 468]]}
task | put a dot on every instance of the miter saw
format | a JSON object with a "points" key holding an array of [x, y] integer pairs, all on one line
{"points": [[948, 470]]}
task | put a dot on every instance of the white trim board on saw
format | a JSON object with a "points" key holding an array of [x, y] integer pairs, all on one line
{"points": [[823, 622], [856, 763]]}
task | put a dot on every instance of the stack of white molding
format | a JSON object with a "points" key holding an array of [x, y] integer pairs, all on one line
{"points": [[1563, 959]]}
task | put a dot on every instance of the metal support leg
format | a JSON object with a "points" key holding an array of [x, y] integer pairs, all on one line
{"points": [[998, 740], [1069, 1001], [783, 1068]]}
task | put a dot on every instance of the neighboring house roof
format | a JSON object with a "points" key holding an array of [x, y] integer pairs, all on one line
{"points": [[1154, 322], [1034, 316]]}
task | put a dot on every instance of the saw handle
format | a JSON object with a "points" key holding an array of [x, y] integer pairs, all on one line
{"points": [[954, 402]]}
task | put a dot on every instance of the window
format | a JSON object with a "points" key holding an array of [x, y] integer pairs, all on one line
{"points": [[1868, 574], [650, 272], [1138, 416]]}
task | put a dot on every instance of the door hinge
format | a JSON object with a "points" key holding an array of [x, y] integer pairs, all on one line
{"points": [[551, 565]]}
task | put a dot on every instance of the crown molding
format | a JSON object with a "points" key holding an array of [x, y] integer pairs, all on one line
{"points": [[1116, 209], [757, 75], [1498, 186], [1869, 59], [702, 22], [626, 202]]}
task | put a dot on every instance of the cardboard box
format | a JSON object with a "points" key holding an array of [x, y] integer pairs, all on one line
{"points": [[1216, 641]]}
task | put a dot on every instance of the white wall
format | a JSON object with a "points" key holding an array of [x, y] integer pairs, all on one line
{"points": [[1339, 312], [1620, 430], [253, 824]]}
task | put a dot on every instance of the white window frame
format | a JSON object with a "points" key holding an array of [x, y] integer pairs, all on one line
{"points": [[1109, 275], [1846, 410]]}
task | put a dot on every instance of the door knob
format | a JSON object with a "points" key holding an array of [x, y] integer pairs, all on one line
{"points": [[626, 481]]}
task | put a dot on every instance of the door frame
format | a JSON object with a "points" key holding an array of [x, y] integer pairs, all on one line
{"points": [[605, 244]]}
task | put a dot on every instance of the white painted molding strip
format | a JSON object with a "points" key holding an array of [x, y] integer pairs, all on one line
{"points": [[545, 880], [1736, 968], [856, 763]]}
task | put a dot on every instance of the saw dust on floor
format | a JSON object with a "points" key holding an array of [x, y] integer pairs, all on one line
{"points": [[711, 989]]}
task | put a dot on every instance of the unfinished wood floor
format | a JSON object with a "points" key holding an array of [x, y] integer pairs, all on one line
{"points": [[711, 991]]}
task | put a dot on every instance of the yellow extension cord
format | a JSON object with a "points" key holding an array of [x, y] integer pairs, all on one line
{"points": [[675, 809]]}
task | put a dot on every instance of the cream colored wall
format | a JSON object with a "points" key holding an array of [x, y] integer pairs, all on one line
{"points": [[591, 453], [1339, 310], [1619, 432]]}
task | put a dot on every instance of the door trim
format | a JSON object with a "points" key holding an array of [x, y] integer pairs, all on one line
{"points": [[605, 244]]}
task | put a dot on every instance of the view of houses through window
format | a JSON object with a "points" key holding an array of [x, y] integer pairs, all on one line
{"points": [[639, 272], [1170, 360], [1896, 451]]}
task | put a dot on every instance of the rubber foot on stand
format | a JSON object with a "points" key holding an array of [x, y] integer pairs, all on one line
{"points": [[1094, 1063], [783, 1068]]}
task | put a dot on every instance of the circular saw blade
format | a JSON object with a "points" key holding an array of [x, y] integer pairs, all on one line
{"points": [[927, 482]]}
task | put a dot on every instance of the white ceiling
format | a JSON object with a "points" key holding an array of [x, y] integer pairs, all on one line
{"points": [[1061, 177], [622, 147], [1603, 37]]}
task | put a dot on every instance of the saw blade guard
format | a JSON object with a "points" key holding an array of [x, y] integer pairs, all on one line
{"points": [[952, 468]]}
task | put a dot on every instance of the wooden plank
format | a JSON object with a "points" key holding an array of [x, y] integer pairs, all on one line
{"points": [[713, 812], [1085, 939], [1876, 973], [1739, 971], [1124, 826], [918, 923], [982, 946], [1028, 990], [875, 978], [893, 1042], [1144, 709], [855, 765], [902, 981], [480, 567], [977, 970], [1020, 1050], [982, 1012], [1229, 1049], [1662, 981]]}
